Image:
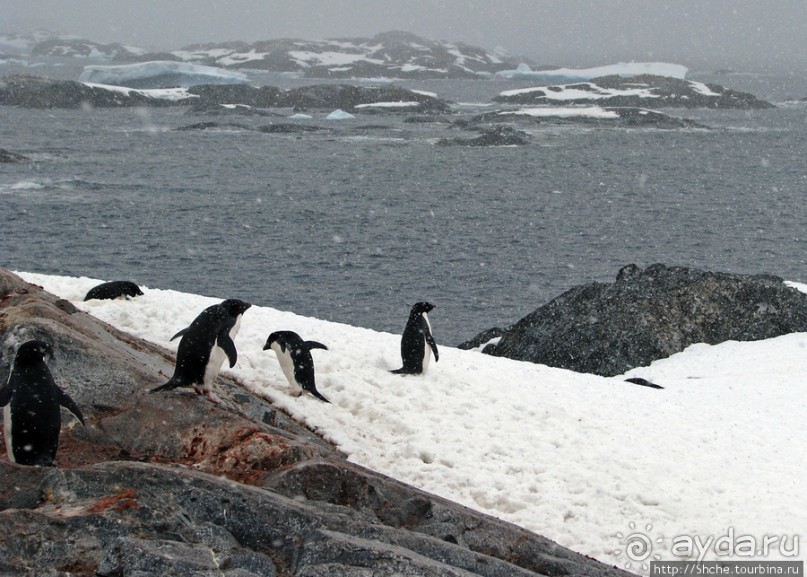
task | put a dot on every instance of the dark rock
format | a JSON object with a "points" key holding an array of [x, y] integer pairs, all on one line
{"points": [[348, 97], [625, 116], [12, 157], [666, 91], [482, 338], [210, 125], [174, 485], [607, 329], [211, 95], [36, 92], [642, 117], [496, 136], [289, 128]]}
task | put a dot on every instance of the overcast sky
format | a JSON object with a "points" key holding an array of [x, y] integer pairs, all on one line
{"points": [[747, 35]]}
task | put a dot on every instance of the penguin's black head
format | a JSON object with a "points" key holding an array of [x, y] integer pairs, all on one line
{"points": [[131, 289], [235, 307], [422, 307], [273, 338], [34, 351], [285, 339]]}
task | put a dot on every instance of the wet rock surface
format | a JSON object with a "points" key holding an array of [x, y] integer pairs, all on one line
{"points": [[649, 314], [175, 485]]}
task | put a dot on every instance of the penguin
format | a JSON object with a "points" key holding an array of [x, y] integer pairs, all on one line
{"points": [[204, 346], [31, 399], [294, 356], [113, 290], [417, 342]]}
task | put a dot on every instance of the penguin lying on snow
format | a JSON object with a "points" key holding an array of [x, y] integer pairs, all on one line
{"points": [[32, 416], [113, 290], [294, 356], [204, 346], [417, 342]]}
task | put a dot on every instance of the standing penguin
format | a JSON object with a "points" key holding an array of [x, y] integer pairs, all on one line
{"points": [[294, 356], [32, 416], [204, 346], [417, 342]]}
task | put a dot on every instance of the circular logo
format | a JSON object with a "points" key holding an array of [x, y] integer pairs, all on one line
{"points": [[637, 546]]}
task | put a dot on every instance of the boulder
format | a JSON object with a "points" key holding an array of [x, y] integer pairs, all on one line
{"points": [[495, 136], [608, 329], [171, 484]]}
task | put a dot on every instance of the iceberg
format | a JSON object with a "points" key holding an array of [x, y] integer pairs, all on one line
{"points": [[624, 69], [339, 114], [160, 74]]}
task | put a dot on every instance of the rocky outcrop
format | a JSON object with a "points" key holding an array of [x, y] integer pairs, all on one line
{"points": [[496, 136], [609, 116], [645, 91], [6, 156], [650, 314], [37, 92], [174, 485]]}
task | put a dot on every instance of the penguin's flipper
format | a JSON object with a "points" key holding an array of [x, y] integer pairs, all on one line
{"points": [[180, 333], [314, 345], [70, 405], [433, 345], [5, 395], [228, 346]]}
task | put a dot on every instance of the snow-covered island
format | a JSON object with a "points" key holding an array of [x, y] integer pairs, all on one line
{"points": [[645, 90]]}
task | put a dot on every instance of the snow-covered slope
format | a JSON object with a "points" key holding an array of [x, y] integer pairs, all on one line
{"points": [[391, 54], [591, 462]]}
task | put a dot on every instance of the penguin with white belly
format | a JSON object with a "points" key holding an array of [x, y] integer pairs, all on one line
{"points": [[417, 342], [204, 345], [32, 404], [294, 356]]}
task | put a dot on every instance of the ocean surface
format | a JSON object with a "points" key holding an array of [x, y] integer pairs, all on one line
{"points": [[357, 222]]}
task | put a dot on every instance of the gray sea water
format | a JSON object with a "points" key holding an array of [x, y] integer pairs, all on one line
{"points": [[357, 222]]}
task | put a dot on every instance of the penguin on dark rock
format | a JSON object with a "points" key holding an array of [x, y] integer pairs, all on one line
{"points": [[32, 404], [204, 345]]}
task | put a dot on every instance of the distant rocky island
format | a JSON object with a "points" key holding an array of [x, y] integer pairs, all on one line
{"points": [[393, 54], [214, 80]]}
